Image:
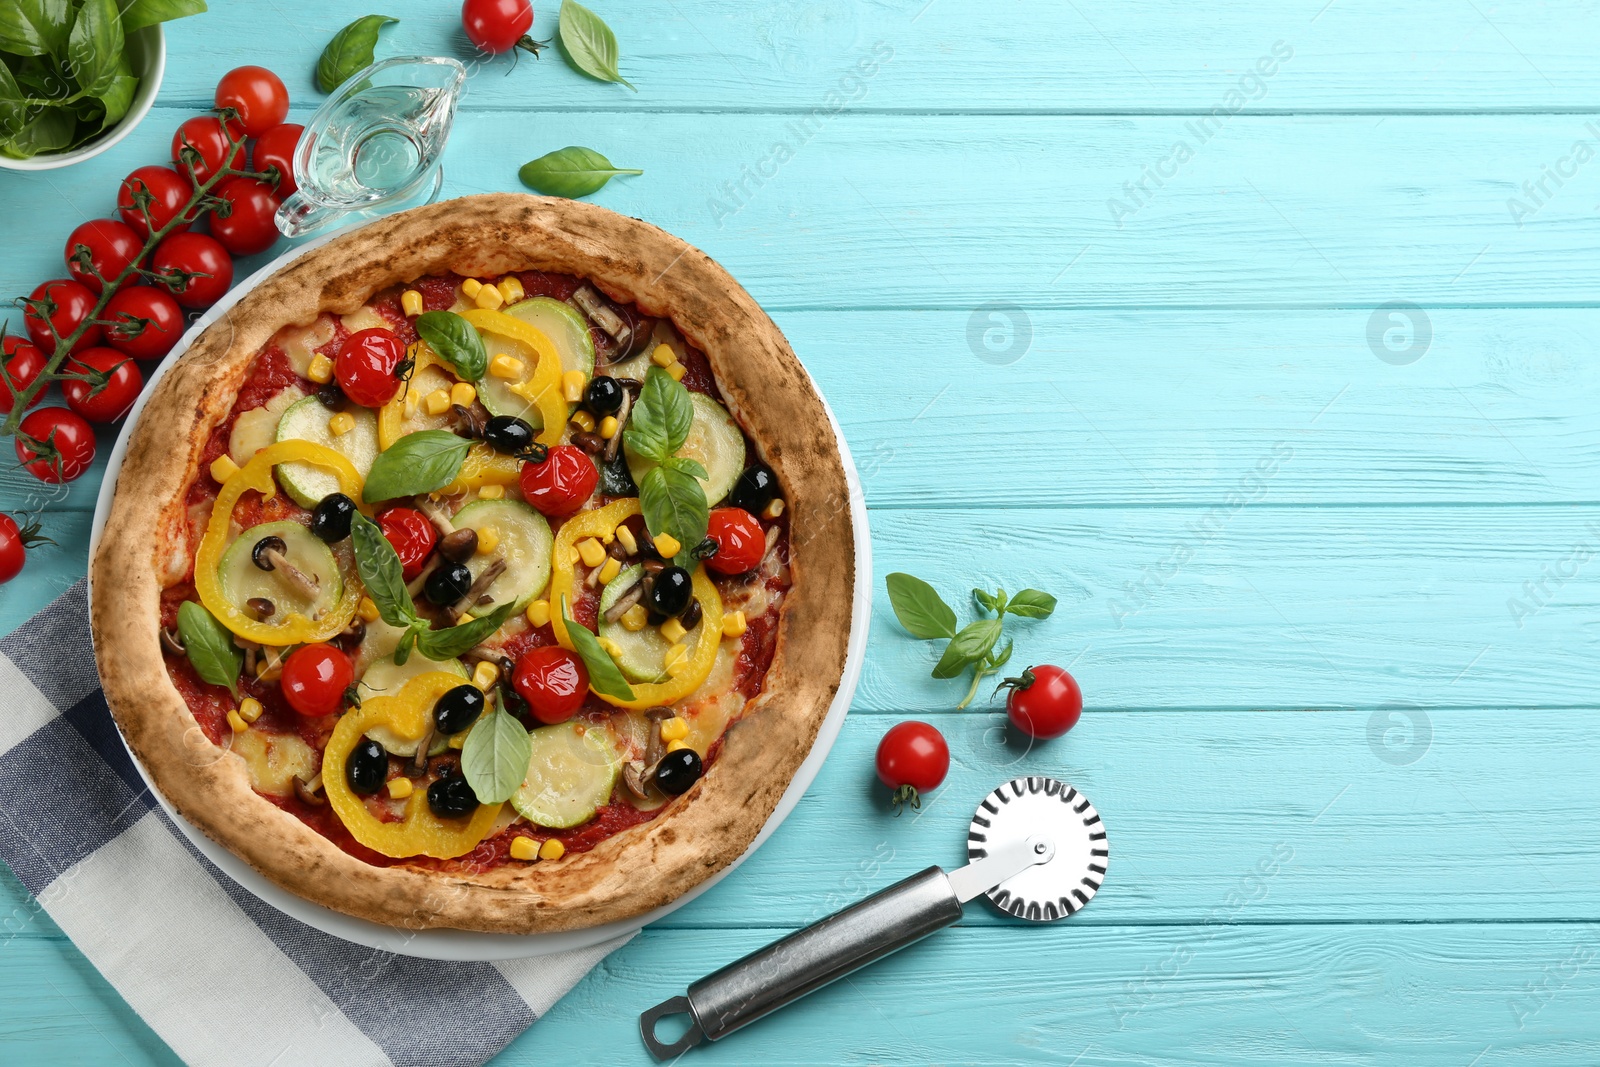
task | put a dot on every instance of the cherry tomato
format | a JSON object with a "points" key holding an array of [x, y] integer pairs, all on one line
{"points": [[245, 225], [68, 303], [257, 94], [496, 26], [1044, 701], [22, 366], [67, 445], [14, 544], [559, 486], [367, 364], [107, 401], [204, 134], [111, 246], [200, 267], [153, 196], [912, 759], [553, 681], [740, 542], [412, 536], [274, 150], [315, 678], [148, 321]]}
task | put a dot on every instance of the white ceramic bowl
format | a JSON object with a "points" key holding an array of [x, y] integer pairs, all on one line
{"points": [[147, 52]]}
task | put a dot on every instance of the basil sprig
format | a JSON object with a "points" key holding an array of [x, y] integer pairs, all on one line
{"points": [[454, 340], [670, 493], [419, 462], [495, 757], [209, 646], [571, 172], [588, 43], [604, 675], [352, 49], [925, 615]]}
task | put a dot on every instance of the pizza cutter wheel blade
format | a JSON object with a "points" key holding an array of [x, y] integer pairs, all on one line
{"points": [[1037, 850]]}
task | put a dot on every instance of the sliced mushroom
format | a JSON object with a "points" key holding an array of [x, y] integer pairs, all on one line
{"points": [[458, 546], [603, 315], [261, 607], [436, 515], [170, 642], [308, 792], [268, 554], [480, 585], [624, 602], [633, 778], [468, 423], [622, 420]]}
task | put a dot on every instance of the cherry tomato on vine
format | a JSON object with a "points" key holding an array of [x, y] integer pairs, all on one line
{"points": [[912, 759], [274, 150], [111, 246], [160, 193], [411, 534], [148, 321], [368, 366], [67, 445], [553, 681], [14, 544], [199, 263], [69, 303], [257, 94], [1044, 701], [740, 541], [315, 678], [206, 135], [22, 367], [496, 26], [559, 486], [244, 224], [105, 401]]}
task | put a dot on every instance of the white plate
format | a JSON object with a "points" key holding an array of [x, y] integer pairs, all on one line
{"points": [[461, 944]]}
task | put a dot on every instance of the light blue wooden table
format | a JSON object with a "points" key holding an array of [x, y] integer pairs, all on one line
{"points": [[1300, 420]]}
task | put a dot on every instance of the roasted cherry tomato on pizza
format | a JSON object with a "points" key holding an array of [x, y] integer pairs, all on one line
{"points": [[739, 538], [315, 678], [412, 536], [369, 366], [1043, 701], [553, 681], [558, 486], [146, 321], [66, 445], [912, 759], [102, 384]]}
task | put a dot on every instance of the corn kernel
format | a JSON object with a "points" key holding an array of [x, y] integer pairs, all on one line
{"points": [[491, 492], [673, 630], [411, 303], [457, 741], [663, 356], [584, 420], [485, 674], [612, 568], [488, 539], [635, 618], [774, 509], [591, 551], [437, 402], [249, 709], [524, 848], [677, 370], [674, 654], [463, 393], [341, 424], [629, 542], [572, 384], [608, 427], [552, 850], [538, 613], [508, 367], [400, 788], [511, 288], [674, 729], [367, 610], [320, 369], [734, 624], [236, 721], [612, 648], [471, 287], [489, 298], [223, 468], [674, 746], [667, 546]]}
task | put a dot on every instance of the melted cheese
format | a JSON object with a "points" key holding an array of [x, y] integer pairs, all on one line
{"points": [[274, 760], [300, 343]]}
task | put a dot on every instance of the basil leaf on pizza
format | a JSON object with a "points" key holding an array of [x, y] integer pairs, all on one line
{"points": [[661, 417], [495, 757], [454, 340], [419, 462], [209, 646], [674, 503], [604, 675], [453, 641], [381, 573]]}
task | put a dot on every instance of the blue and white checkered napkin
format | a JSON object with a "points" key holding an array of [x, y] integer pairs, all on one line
{"points": [[224, 978]]}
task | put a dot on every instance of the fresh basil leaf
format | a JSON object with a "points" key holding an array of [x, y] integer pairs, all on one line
{"points": [[984, 600], [643, 442], [1001, 658], [13, 106], [402, 651], [95, 45], [686, 465], [919, 607], [604, 676], [137, 14], [570, 172], [454, 340], [117, 97], [1032, 604], [419, 462], [382, 574], [674, 503], [588, 43], [49, 130], [209, 646], [452, 641], [967, 647], [495, 757], [668, 407], [35, 27], [351, 50]]}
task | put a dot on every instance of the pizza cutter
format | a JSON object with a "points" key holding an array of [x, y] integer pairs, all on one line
{"points": [[1036, 849]]}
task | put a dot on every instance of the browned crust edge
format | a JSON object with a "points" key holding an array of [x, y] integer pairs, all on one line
{"points": [[763, 383]]}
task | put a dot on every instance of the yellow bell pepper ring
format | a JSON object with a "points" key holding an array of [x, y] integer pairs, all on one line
{"points": [[295, 628], [544, 388], [420, 832], [563, 581], [484, 466]]}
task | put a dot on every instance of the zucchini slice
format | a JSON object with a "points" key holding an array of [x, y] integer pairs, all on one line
{"points": [[643, 653], [715, 440], [387, 677], [242, 580], [523, 540], [567, 329], [572, 771], [307, 420]]}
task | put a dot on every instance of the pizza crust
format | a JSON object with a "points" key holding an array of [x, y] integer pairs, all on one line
{"points": [[763, 384]]}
